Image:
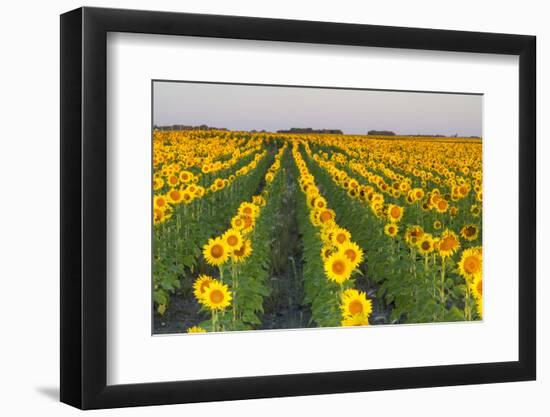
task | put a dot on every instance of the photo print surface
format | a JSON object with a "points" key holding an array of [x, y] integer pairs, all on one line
{"points": [[287, 207]]}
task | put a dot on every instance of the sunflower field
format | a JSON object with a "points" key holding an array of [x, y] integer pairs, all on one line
{"points": [[255, 231]]}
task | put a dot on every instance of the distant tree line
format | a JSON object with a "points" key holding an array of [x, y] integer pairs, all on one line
{"points": [[456, 135], [188, 127], [432, 136], [310, 130], [381, 133], [391, 133]]}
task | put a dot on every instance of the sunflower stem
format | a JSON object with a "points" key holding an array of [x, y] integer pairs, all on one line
{"points": [[214, 320], [467, 309], [235, 284], [221, 273], [442, 290]]}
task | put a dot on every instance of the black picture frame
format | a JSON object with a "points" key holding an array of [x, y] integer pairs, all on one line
{"points": [[84, 207]]}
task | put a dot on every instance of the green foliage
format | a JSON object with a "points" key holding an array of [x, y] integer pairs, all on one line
{"points": [[322, 294], [254, 272], [178, 242], [412, 293]]}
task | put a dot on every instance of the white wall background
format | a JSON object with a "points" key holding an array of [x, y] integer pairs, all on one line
{"points": [[29, 225]]}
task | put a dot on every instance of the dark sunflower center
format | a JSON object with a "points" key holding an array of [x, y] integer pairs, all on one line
{"points": [[447, 243], [240, 251], [216, 296], [395, 212], [338, 267], [351, 254], [472, 264], [325, 216], [217, 251], [355, 307]]}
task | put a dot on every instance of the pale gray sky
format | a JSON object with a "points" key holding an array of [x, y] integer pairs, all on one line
{"points": [[246, 107]]}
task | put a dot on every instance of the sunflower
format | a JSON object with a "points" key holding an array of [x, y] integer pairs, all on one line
{"points": [[200, 285], [413, 233], [325, 216], [186, 176], [326, 251], [158, 183], [233, 239], [475, 210], [438, 225], [418, 193], [259, 200], [173, 180], [158, 216], [356, 320], [187, 197], [355, 302], [338, 267], [320, 203], [425, 244], [175, 196], [464, 189], [313, 218], [249, 223], [196, 329], [239, 255], [200, 191], [448, 243], [160, 202], [215, 251], [442, 205], [395, 213], [168, 212], [217, 296], [325, 234], [476, 287], [470, 264], [340, 236], [353, 192], [350, 292], [353, 252], [391, 229], [469, 232], [237, 223], [248, 209], [311, 201]]}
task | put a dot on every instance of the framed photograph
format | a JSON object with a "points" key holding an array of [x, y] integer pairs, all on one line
{"points": [[256, 208]]}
